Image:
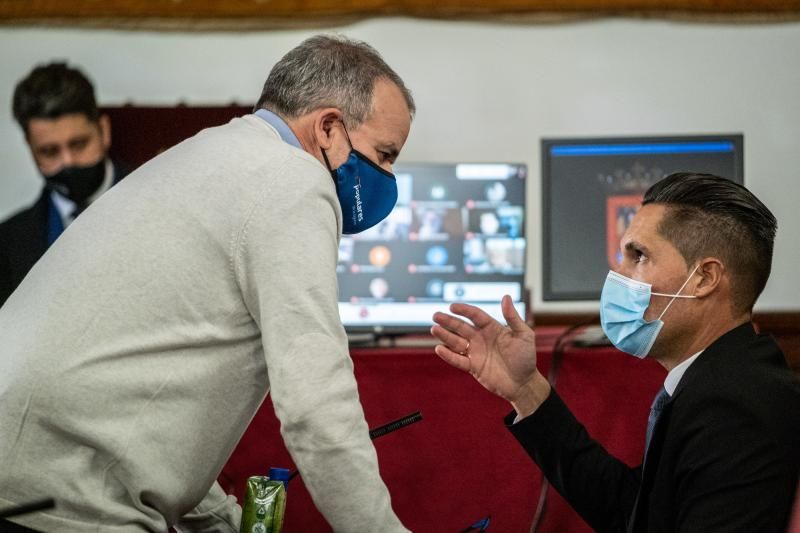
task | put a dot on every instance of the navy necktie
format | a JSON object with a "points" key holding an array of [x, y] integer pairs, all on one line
{"points": [[658, 404]]}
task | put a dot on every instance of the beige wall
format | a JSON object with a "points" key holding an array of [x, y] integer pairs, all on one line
{"points": [[485, 92]]}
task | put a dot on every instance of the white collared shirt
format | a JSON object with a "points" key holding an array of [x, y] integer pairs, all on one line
{"points": [[674, 376]]}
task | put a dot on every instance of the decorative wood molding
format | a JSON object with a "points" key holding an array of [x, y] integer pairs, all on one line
{"points": [[255, 14]]}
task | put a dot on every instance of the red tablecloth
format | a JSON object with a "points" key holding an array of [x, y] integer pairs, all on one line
{"points": [[460, 464]]}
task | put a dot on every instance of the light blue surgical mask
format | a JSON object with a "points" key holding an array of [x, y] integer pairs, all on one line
{"points": [[366, 192], [623, 303]]}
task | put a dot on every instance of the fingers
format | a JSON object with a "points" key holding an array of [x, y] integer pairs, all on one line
{"points": [[455, 342], [455, 325], [454, 334], [514, 321], [480, 318], [476, 315], [452, 358]]}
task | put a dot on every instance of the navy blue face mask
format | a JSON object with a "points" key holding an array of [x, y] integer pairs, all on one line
{"points": [[366, 192]]}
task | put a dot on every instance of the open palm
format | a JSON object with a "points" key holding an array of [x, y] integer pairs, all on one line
{"points": [[502, 359]]}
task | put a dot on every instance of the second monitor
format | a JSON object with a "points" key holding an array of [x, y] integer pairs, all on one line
{"points": [[591, 188]]}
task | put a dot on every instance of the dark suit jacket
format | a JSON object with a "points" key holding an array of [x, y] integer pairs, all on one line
{"points": [[23, 240], [724, 456]]}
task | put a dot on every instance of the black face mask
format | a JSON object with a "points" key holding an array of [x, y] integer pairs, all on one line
{"points": [[77, 183]]}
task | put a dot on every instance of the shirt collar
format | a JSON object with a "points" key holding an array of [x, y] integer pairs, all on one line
{"points": [[674, 376], [281, 126], [66, 207]]}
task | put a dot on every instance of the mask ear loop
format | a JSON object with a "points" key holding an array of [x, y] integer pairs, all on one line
{"points": [[678, 294], [347, 135], [327, 163], [325, 155]]}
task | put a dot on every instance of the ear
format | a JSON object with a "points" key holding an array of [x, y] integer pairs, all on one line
{"points": [[105, 130], [711, 272], [324, 126]]}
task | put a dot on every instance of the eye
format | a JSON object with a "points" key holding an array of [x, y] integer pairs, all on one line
{"points": [[638, 256], [79, 144], [49, 151]]}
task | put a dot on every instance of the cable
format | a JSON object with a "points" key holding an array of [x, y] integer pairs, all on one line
{"points": [[557, 358]]}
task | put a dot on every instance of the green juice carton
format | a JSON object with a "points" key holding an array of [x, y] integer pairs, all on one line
{"points": [[265, 503]]}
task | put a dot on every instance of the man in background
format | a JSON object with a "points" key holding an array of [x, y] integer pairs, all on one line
{"points": [[69, 140], [721, 449], [131, 367]]}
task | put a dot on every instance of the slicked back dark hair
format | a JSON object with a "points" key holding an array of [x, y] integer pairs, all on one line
{"points": [[710, 216], [51, 91], [328, 71]]}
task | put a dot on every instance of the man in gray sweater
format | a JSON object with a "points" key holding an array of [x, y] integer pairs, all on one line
{"points": [[137, 350]]}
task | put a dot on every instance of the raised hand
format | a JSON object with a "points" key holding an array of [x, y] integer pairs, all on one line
{"points": [[502, 359]]}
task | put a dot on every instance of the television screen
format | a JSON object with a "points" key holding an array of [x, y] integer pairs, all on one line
{"points": [[591, 188], [457, 234]]}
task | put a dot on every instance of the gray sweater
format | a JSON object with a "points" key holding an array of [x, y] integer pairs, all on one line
{"points": [[138, 349]]}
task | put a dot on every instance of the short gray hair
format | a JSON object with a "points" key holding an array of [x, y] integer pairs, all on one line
{"points": [[328, 71]]}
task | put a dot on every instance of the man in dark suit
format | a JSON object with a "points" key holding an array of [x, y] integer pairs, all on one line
{"points": [[722, 450], [69, 140]]}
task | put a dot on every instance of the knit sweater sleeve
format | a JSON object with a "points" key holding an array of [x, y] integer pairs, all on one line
{"points": [[285, 263], [217, 513]]}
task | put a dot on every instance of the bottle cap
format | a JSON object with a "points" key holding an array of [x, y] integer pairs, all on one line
{"points": [[280, 474]]}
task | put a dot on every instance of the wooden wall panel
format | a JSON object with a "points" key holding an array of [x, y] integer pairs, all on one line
{"points": [[309, 12], [784, 326]]}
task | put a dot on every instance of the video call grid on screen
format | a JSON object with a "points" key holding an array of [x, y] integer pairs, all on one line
{"points": [[591, 188], [457, 233]]}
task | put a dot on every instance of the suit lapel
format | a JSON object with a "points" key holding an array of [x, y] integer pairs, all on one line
{"points": [[739, 336], [30, 241]]}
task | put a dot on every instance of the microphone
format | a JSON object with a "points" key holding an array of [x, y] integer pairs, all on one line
{"points": [[385, 429]]}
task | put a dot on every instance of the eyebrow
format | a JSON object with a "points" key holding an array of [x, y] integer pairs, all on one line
{"points": [[389, 148], [633, 246], [47, 147]]}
